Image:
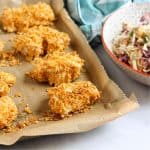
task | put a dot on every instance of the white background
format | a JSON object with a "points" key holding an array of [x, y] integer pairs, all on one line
{"points": [[130, 132]]}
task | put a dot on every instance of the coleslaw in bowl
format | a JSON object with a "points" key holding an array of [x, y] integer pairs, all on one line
{"points": [[126, 39], [132, 46]]}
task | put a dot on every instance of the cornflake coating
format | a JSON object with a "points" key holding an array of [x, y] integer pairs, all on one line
{"points": [[8, 78], [57, 68], [4, 88], [8, 111], [1, 45], [7, 58], [19, 19], [72, 97], [38, 41]]}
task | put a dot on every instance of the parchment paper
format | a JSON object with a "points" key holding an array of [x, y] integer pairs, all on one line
{"points": [[35, 95]]}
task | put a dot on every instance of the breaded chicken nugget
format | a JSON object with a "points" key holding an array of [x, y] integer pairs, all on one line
{"points": [[8, 78], [57, 68], [19, 19], [8, 111], [72, 97], [38, 41], [4, 88]]}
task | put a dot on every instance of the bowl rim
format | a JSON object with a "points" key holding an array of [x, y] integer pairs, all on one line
{"points": [[113, 56]]}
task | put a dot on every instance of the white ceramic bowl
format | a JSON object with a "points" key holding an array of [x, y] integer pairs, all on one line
{"points": [[130, 13]]}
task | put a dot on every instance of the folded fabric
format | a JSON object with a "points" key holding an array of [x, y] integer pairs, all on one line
{"points": [[89, 14]]}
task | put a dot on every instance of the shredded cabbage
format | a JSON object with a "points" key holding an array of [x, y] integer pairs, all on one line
{"points": [[132, 45]]}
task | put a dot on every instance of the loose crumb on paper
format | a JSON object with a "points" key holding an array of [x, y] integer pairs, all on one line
{"points": [[27, 109], [17, 94]]}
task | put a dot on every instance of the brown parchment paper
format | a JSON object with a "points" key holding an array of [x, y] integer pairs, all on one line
{"points": [[35, 95]]}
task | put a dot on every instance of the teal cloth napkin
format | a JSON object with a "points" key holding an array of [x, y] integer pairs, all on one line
{"points": [[90, 14]]}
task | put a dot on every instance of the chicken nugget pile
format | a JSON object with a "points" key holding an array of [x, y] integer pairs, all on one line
{"points": [[8, 109], [38, 41], [72, 97], [57, 68], [45, 48], [21, 18]]}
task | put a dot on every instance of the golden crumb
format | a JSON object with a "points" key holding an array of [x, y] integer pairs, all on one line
{"points": [[107, 105], [38, 41], [74, 97], [27, 109], [57, 68], [17, 94], [8, 111], [4, 88], [48, 116], [20, 124], [8, 78], [7, 58], [26, 122], [24, 17], [1, 45]]}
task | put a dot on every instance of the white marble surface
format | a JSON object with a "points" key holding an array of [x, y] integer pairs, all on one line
{"points": [[130, 132]]}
